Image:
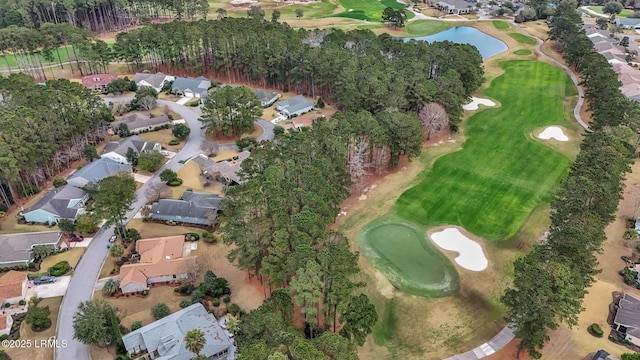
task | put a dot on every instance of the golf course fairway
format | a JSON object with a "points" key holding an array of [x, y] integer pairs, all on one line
{"points": [[501, 174], [409, 261]]}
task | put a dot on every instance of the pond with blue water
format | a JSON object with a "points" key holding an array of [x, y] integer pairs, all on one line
{"points": [[487, 45]]}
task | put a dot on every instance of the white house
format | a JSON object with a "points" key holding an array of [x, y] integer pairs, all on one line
{"points": [[295, 106], [156, 81], [266, 97], [191, 88], [117, 150], [455, 6]]}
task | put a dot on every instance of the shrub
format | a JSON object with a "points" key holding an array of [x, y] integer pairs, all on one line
{"points": [[59, 181], [234, 309], [160, 310], [215, 302], [226, 299], [630, 234], [115, 137], [7, 305], [630, 276], [176, 182], [136, 325], [320, 104], [246, 142], [596, 330], [205, 234], [185, 303], [174, 142], [59, 269], [22, 302], [191, 237]]}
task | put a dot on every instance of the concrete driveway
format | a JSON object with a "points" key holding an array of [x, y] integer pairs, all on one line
{"points": [[184, 100], [141, 178], [58, 288]]}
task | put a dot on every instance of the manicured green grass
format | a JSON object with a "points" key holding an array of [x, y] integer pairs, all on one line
{"points": [[410, 261], [522, 52], [65, 55], [491, 186], [426, 27], [313, 10], [598, 9], [523, 38], [368, 10], [500, 25]]}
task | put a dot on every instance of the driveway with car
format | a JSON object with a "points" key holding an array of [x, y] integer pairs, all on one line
{"points": [[58, 288]]}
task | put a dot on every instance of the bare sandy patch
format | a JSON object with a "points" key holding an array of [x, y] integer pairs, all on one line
{"points": [[471, 256], [553, 132], [476, 101]]}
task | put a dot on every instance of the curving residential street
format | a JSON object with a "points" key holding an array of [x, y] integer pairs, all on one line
{"points": [[86, 273]]}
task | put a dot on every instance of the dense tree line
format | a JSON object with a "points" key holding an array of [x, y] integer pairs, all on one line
{"points": [[97, 16], [356, 70], [43, 129], [277, 222], [550, 282]]}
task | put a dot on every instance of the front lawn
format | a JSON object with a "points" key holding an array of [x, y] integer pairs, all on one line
{"points": [[598, 10], [162, 137], [71, 256], [34, 352], [152, 230], [492, 185], [135, 308]]}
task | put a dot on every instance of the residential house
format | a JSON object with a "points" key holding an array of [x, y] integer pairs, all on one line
{"points": [[297, 124], [190, 87], [164, 338], [266, 97], [98, 82], [13, 286], [160, 260], [455, 6], [15, 249], [627, 23], [96, 171], [65, 202], [192, 208], [139, 122], [156, 81], [603, 355], [226, 171], [117, 150], [295, 106], [627, 319]]}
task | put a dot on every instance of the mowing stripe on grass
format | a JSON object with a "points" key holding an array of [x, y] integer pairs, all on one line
{"points": [[523, 38], [491, 186]]}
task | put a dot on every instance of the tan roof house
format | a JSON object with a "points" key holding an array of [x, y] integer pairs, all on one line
{"points": [[160, 260], [13, 286]]}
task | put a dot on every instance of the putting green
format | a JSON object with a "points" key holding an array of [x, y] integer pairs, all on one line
{"points": [[409, 261], [500, 25], [491, 186], [368, 10], [523, 38]]}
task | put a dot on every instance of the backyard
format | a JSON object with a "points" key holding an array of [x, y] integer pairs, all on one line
{"points": [[623, 13]]}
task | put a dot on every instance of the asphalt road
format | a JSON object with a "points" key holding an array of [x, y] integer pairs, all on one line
{"points": [[83, 281]]}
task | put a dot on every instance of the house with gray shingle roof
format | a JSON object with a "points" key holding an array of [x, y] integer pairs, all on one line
{"points": [[141, 121], [164, 338], [117, 150], [15, 249], [190, 87], [295, 106], [96, 171], [627, 319], [65, 202], [627, 23], [455, 6], [156, 81], [266, 97], [192, 207], [226, 171]]}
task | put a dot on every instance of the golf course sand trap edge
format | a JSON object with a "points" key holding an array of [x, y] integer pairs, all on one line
{"points": [[471, 256], [473, 105], [553, 132]]}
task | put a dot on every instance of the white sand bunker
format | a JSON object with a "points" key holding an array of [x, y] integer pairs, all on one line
{"points": [[553, 132], [471, 255], [473, 105]]}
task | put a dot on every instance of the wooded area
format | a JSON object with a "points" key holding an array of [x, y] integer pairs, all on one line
{"points": [[97, 16], [43, 129], [551, 281]]}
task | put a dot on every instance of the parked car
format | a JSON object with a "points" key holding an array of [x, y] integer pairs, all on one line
{"points": [[113, 238], [44, 280], [76, 238]]}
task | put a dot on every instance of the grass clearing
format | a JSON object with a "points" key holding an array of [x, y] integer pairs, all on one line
{"points": [[34, 352], [139, 309], [190, 175], [492, 199], [523, 39], [410, 261], [598, 10], [162, 137], [522, 52], [368, 10], [500, 25], [426, 27]]}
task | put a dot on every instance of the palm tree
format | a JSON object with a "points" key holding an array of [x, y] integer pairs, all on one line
{"points": [[39, 252], [110, 287], [232, 324], [194, 341]]}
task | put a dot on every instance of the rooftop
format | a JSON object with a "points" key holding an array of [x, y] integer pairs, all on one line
{"points": [[155, 80], [57, 201], [138, 120], [17, 247], [628, 312], [11, 284], [98, 170], [135, 142], [98, 79]]}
